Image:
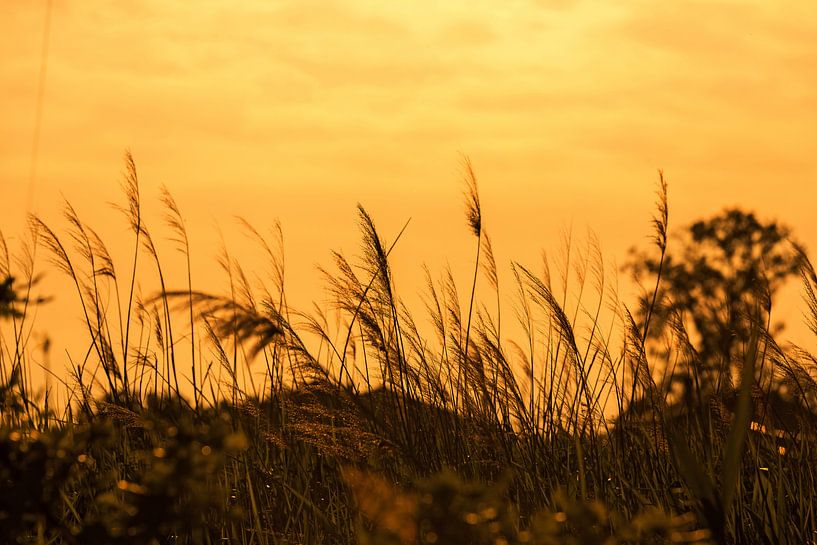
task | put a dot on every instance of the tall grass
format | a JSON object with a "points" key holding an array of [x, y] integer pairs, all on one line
{"points": [[369, 428]]}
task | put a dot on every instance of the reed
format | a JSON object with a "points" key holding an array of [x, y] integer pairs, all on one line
{"points": [[367, 428]]}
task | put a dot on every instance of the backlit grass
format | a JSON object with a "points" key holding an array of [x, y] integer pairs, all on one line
{"points": [[390, 431]]}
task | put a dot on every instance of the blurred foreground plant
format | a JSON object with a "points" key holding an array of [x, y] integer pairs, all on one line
{"points": [[445, 510], [108, 481]]}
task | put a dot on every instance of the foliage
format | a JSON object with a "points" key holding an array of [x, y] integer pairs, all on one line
{"points": [[720, 278], [445, 510], [8, 297], [137, 481]]}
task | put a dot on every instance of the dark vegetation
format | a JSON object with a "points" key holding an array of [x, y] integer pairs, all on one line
{"points": [[683, 421]]}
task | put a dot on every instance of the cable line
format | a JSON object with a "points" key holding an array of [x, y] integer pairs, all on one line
{"points": [[38, 115]]}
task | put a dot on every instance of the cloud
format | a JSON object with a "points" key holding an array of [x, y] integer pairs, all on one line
{"points": [[724, 31], [557, 5], [467, 34]]}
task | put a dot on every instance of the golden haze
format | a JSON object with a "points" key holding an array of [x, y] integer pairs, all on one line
{"points": [[298, 110]]}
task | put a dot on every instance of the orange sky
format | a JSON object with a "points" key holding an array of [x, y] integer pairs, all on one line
{"points": [[298, 110]]}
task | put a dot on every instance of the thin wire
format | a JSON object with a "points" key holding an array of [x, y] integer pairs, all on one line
{"points": [[38, 116]]}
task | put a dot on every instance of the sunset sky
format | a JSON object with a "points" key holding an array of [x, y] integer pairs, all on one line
{"points": [[298, 110]]}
